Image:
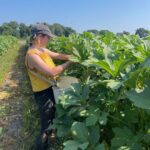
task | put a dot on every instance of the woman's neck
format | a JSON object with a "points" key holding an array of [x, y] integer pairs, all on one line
{"points": [[38, 47]]}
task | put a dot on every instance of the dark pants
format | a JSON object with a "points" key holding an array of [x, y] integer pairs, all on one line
{"points": [[46, 104]]}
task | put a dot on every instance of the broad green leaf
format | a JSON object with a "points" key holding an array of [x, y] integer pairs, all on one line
{"points": [[69, 100], [71, 145], [83, 146], [146, 138], [79, 131], [125, 137], [75, 59], [100, 147], [126, 62], [141, 99], [124, 148], [73, 111], [147, 44], [91, 120], [131, 116], [63, 125], [103, 118], [60, 110], [85, 91], [113, 84], [94, 135], [122, 137], [146, 63], [105, 66], [132, 79], [74, 145], [83, 112], [62, 130], [76, 53], [137, 146]]}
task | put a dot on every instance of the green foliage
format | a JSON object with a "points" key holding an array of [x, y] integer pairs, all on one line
{"points": [[109, 109], [23, 31], [60, 30], [7, 42], [142, 32]]}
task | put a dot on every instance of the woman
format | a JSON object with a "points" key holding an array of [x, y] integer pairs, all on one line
{"points": [[39, 61]]}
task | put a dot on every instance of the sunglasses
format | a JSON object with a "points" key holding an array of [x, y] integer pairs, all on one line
{"points": [[44, 35]]}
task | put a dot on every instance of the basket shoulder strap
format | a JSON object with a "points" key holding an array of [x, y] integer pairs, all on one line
{"points": [[50, 81]]}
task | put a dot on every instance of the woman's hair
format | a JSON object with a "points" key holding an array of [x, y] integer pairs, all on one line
{"points": [[32, 38]]}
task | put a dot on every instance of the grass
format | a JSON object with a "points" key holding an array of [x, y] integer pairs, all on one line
{"points": [[8, 58], [6, 61]]}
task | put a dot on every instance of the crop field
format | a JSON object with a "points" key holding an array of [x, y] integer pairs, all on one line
{"points": [[110, 107]]}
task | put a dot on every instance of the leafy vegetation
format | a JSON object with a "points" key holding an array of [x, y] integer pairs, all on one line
{"points": [[7, 42], [109, 109], [8, 52]]}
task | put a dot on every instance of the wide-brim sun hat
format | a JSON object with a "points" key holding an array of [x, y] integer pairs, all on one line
{"points": [[41, 29]]}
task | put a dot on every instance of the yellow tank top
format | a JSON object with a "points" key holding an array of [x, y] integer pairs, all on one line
{"points": [[37, 83]]}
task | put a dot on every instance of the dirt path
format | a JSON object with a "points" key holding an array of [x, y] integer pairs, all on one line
{"points": [[18, 113], [11, 102]]}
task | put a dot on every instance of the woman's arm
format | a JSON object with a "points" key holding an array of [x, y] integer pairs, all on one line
{"points": [[59, 56], [34, 61]]}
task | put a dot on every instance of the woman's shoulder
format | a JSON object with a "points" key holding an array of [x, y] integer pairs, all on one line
{"points": [[33, 51], [45, 50]]}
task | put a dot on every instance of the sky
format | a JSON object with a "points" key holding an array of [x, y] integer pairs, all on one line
{"points": [[81, 15]]}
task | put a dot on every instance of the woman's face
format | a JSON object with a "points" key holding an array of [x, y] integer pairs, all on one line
{"points": [[43, 39]]}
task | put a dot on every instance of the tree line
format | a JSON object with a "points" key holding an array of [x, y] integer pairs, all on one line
{"points": [[21, 30], [140, 31]]}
